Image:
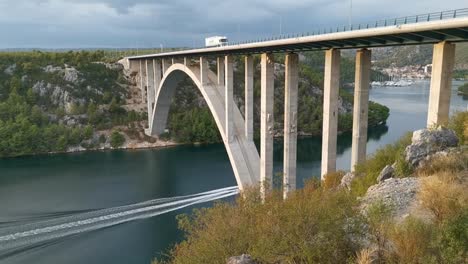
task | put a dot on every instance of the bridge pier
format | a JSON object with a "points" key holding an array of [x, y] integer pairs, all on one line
{"points": [[165, 64], [142, 74], [331, 85], [220, 71], [266, 122], [229, 93], [290, 122], [441, 83], [204, 68], [248, 107], [361, 106], [150, 88]]}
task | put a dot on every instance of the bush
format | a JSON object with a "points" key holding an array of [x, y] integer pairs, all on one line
{"points": [[116, 139], [332, 179], [459, 123], [311, 226], [410, 241], [369, 170], [443, 195]]}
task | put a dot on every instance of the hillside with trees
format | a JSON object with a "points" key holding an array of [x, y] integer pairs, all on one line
{"points": [[80, 100]]}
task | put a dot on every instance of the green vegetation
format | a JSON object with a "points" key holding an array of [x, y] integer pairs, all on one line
{"points": [[116, 139], [463, 89], [43, 110], [323, 224]]}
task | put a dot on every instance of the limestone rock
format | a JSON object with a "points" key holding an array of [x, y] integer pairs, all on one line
{"points": [[386, 173], [242, 259], [10, 70], [429, 141], [398, 194], [346, 180]]}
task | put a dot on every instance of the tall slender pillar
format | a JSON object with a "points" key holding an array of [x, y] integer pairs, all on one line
{"points": [[150, 89], [441, 83], [165, 65], [361, 103], [157, 75], [142, 73], [249, 72], [266, 123], [229, 92], [204, 68], [290, 122], [220, 64], [331, 85]]}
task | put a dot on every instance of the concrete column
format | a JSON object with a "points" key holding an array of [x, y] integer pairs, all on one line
{"points": [[361, 103], [157, 75], [441, 83], [249, 73], [266, 122], [142, 74], [229, 93], [204, 68], [150, 89], [165, 65], [186, 61], [221, 66], [331, 85], [290, 122]]}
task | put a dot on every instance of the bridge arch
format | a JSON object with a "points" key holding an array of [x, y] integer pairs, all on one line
{"points": [[243, 154]]}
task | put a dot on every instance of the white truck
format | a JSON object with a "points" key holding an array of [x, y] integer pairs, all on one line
{"points": [[216, 41]]}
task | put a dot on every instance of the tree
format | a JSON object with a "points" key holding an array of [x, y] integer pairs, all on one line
{"points": [[116, 139]]}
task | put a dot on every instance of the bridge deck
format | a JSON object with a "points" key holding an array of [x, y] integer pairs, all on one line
{"points": [[449, 25]]}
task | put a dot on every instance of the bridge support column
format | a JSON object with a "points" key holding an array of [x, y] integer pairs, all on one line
{"points": [[266, 123], [204, 68], [229, 93], [142, 73], [150, 89], [165, 64], [290, 122], [157, 76], [441, 83], [361, 106], [220, 72], [331, 85], [249, 73]]}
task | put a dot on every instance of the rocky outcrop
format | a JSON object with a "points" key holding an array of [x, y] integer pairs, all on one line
{"points": [[397, 194], [10, 70], [386, 173], [346, 180], [242, 259], [429, 141]]}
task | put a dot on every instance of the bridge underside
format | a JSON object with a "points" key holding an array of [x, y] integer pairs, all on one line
{"points": [[251, 168]]}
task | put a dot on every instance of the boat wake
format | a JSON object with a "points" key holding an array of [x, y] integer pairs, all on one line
{"points": [[19, 236]]}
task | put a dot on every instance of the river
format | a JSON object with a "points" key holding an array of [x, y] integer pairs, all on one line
{"points": [[38, 187]]}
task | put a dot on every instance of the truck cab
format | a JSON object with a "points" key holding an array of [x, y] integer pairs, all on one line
{"points": [[216, 41]]}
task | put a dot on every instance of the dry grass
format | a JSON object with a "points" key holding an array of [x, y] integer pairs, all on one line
{"points": [[332, 179], [451, 163], [444, 194], [366, 256], [410, 241]]}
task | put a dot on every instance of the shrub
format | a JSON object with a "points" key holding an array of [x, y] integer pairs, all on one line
{"points": [[332, 179], [453, 239], [453, 163], [443, 195], [116, 139], [312, 226], [459, 123], [410, 241], [369, 170]]}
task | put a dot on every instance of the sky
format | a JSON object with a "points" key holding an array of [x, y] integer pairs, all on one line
{"points": [[184, 23]]}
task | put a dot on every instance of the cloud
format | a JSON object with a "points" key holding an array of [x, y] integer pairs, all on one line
{"points": [[144, 23]]}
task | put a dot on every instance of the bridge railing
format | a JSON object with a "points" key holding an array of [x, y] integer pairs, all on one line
{"points": [[449, 14]]}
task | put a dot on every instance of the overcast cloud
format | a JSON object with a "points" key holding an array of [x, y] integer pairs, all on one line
{"points": [[150, 23]]}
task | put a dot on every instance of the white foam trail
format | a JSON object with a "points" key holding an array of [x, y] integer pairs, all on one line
{"points": [[107, 219]]}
